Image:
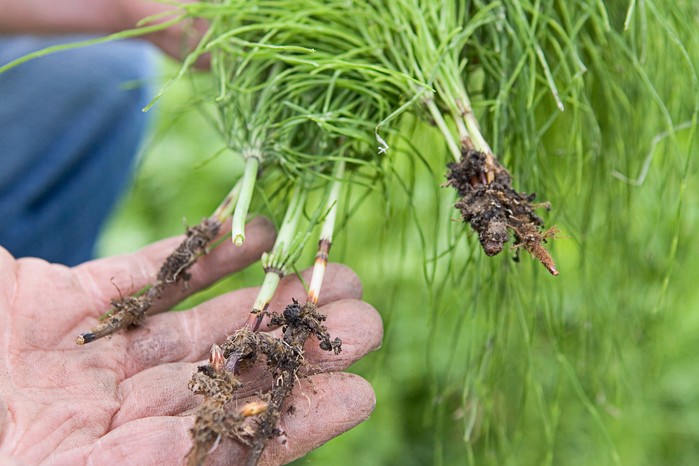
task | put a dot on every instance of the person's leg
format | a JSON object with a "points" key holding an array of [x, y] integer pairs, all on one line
{"points": [[70, 128]]}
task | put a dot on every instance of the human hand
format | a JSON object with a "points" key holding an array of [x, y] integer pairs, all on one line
{"points": [[49, 17], [177, 40], [125, 400]]}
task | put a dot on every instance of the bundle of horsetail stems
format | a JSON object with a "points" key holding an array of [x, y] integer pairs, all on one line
{"points": [[302, 84], [305, 91]]}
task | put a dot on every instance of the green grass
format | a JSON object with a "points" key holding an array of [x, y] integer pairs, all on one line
{"points": [[487, 361]]}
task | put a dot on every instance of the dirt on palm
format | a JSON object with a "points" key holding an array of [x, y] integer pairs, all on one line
{"points": [[216, 418]]}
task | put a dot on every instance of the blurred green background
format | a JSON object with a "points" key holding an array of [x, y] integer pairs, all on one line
{"points": [[485, 360]]}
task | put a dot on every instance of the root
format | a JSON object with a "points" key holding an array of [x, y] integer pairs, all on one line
{"points": [[176, 266], [213, 420], [130, 311], [284, 357], [298, 323], [494, 208]]}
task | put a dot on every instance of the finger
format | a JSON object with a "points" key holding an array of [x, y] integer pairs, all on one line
{"points": [[180, 40], [356, 323], [162, 390], [107, 278], [188, 336], [319, 409], [324, 406]]}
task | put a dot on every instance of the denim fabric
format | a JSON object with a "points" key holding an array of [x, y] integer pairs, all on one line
{"points": [[70, 128]]}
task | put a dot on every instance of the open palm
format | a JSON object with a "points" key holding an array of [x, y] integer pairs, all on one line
{"points": [[125, 400]]}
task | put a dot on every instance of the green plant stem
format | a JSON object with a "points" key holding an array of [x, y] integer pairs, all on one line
{"points": [[267, 290], [328, 227], [288, 228], [252, 163], [136, 32], [472, 126], [456, 97], [277, 261], [326, 234], [225, 208], [436, 115]]}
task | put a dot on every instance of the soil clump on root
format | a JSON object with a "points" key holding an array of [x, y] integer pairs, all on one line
{"points": [[130, 311], [494, 208], [256, 423]]}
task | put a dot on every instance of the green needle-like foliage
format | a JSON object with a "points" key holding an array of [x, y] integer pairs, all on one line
{"points": [[592, 104], [521, 370]]}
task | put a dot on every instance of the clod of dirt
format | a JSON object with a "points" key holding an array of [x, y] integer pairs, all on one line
{"points": [[494, 208], [284, 357], [130, 311]]}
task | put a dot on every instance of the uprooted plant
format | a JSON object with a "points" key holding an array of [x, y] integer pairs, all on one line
{"points": [[130, 311], [285, 357], [427, 41], [302, 91]]}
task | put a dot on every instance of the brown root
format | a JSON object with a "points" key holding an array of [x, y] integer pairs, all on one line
{"points": [[213, 419], [284, 357], [494, 208], [298, 323], [130, 311], [176, 266]]}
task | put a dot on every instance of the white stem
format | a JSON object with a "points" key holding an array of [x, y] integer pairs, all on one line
{"points": [[269, 287], [326, 235], [252, 163]]}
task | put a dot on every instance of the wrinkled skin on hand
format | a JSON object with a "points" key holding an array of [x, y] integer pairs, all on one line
{"points": [[124, 400]]}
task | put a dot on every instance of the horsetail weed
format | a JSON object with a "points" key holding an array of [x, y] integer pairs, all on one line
{"points": [[304, 92]]}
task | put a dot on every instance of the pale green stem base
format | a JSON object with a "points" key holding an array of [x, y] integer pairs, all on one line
{"points": [[252, 164]]}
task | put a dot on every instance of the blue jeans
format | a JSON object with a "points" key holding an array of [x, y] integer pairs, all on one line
{"points": [[70, 128]]}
